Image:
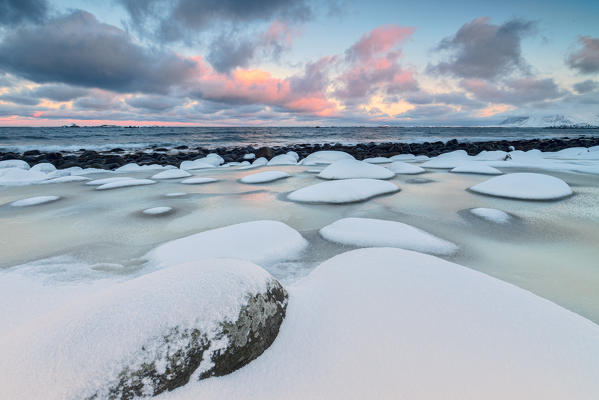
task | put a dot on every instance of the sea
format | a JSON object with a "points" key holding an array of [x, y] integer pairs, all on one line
{"points": [[21, 139]]}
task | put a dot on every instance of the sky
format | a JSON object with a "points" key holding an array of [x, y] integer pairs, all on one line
{"points": [[296, 63]]}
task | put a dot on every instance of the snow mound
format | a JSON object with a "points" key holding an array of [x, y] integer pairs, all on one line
{"points": [[102, 181], [404, 168], [15, 176], [44, 167], [67, 179], [125, 183], [494, 155], [491, 214], [395, 324], [171, 174], [34, 201], [377, 160], [133, 167], [198, 180], [403, 157], [263, 242], [476, 168], [284, 159], [343, 191], [525, 186], [368, 232], [264, 177], [447, 160], [196, 164], [14, 164], [348, 169], [326, 157], [176, 194], [157, 210], [78, 352], [249, 156]]}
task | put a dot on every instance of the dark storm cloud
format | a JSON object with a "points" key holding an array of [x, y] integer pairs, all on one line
{"points": [[79, 50], [20, 99], [586, 86], [58, 92], [481, 49], [14, 12], [515, 92], [586, 59], [227, 53]]}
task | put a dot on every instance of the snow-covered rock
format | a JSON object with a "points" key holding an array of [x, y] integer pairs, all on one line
{"points": [[176, 194], [196, 164], [157, 210], [284, 159], [491, 214], [378, 160], [525, 186], [198, 180], [494, 155], [402, 157], [262, 242], [447, 160], [476, 167], [125, 183], [44, 167], [348, 169], [102, 181], [369, 232], [400, 167], [343, 191], [147, 335], [326, 157], [395, 324], [34, 201], [15, 176], [134, 167], [171, 174], [249, 156], [14, 164], [264, 177], [67, 179]]}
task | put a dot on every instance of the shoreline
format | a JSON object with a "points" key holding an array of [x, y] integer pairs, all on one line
{"points": [[117, 157]]}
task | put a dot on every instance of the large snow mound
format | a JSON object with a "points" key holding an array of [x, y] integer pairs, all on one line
{"points": [[326, 157], [125, 183], [343, 191], [368, 232], [77, 351], [476, 168], [491, 214], [264, 177], [198, 180], [102, 181], [525, 186], [284, 159], [396, 324], [172, 174], [34, 201], [349, 169], [262, 242], [20, 176], [14, 164], [400, 167]]}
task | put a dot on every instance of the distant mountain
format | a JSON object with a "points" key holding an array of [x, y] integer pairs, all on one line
{"points": [[550, 121]]}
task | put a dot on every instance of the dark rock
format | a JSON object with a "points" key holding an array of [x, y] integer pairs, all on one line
{"points": [[266, 152]]}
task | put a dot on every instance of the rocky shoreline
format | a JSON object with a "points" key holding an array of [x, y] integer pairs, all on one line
{"points": [[117, 157]]}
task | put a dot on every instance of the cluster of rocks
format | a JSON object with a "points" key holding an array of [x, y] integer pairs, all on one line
{"points": [[117, 157]]}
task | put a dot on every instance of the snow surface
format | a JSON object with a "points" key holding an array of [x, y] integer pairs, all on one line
{"points": [[326, 157], [34, 201], [404, 168], [378, 160], [175, 194], [263, 242], [249, 156], [403, 157], [102, 181], [395, 324], [492, 214], [476, 167], [196, 164], [171, 174], [343, 191], [157, 210], [525, 186], [14, 164], [198, 180], [133, 167], [447, 160], [284, 159], [125, 183], [348, 169], [44, 167], [74, 352], [19, 176], [67, 179], [264, 177], [369, 232]]}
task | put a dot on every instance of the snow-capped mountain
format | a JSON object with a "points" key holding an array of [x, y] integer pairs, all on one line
{"points": [[555, 120]]}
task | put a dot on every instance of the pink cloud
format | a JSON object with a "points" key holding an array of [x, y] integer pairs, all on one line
{"points": [[377, 41]]}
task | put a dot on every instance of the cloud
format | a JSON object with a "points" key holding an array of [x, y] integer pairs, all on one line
{"points": [[19, 99], [377, 41], [58, 92], [153, 102], [585, 59], [515, 92], [483, 50], [79, 50], [14, 12], [586, 86]]}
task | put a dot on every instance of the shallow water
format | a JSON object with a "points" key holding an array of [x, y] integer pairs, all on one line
{"points": [[98, 237]]}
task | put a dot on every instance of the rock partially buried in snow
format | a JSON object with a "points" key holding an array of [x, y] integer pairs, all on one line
{"points": [[67, 179], [476, 168], [157, 210], [133, 167], [368, 232], [102, 181], [125, 183], [404, 168], [262, 242], [491, 214], [198, 180], [14, 164], [176, 194], [171, 174], [349, 169], [377, 160], [524, 186], [284, 159], [264, 177], [343, 191], [147, 335], [34, 201], [326, 157]]}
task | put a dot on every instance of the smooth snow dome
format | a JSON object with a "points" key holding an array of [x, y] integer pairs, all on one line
{"points": [[326, 157], [403, 157], [283, 159], [377, 160], [196, 164], [476, 168], [175, 194], [343, 191], [34, 201], [491, 214], [157, 210], [525, 186], [263, 242], [348, 169], [395, 324], [20, 176], [76, 351], [102, 181], [171, 174], [264, 177], [368, 232], [249, 156], [133, 167], [125, 183], [447, 160], [198, 180], [43, 167], [404, 168], [67, 179], [14, 164]]}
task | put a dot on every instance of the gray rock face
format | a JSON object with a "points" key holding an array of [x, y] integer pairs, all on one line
{"points": [[176, 356]]}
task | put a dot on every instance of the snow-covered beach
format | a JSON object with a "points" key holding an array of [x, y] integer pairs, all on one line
{"points": [[456, 276]]}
